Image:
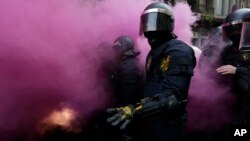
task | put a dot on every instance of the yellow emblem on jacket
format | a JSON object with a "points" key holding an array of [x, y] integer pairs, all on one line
{"points": [[165, 63], [244, 56]]}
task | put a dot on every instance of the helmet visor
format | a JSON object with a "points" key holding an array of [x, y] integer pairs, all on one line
{"points": [[232, 29], [245, 34], [155, 21]]}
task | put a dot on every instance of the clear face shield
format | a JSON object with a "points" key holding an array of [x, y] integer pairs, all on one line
{"points": [[245, 36]]}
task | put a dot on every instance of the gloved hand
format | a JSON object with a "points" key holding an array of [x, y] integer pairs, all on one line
{"points": [[122, 116]]}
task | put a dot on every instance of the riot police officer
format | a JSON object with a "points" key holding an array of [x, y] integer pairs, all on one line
{"points": [[128, 76], [236, 62], [169, 68], [127, 79]]}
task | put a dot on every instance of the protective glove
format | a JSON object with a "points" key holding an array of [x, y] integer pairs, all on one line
{"points": [[122, 116]]}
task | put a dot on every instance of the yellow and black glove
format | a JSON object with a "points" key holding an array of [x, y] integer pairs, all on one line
{"points": [[148, 106], [122, 116]]}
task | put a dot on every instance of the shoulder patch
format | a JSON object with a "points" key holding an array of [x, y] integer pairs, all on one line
{"points": [[165, 63]]}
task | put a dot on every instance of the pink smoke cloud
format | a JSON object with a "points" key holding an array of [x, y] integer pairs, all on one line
{"points": [[49, 56], [183, 22]]}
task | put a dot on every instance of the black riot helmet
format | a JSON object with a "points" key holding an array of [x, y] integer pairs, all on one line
{"points": [[233, 25], [124, 45], [157, 16], [157, 23]]}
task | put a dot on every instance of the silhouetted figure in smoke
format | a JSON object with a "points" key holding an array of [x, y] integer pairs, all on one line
{"points": [[126, 81], [128, 78], [169, 68], [128, 75]]}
